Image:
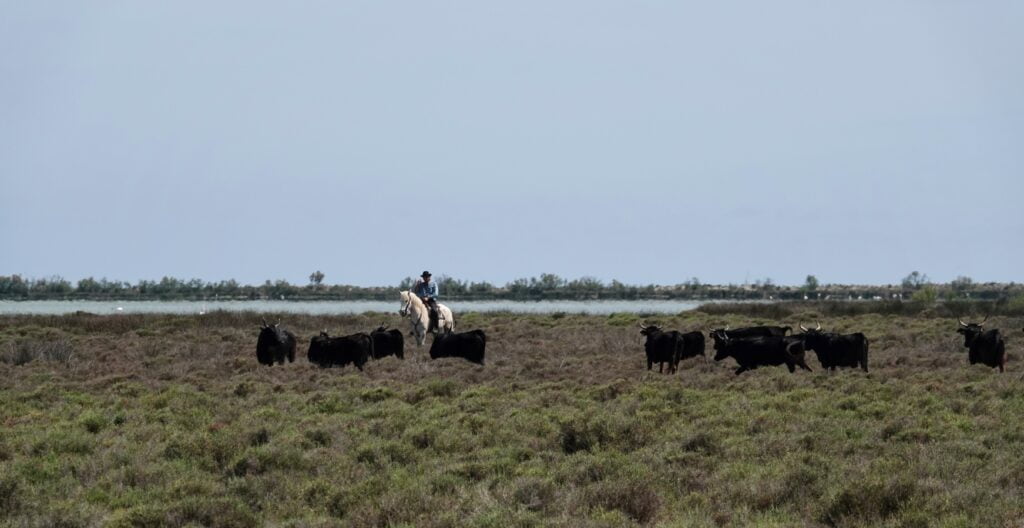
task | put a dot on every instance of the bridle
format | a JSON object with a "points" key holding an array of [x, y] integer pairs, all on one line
{"points": [[406, 306]]}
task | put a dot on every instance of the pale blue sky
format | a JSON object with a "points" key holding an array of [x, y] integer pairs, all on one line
{"points": [[641, 141]]}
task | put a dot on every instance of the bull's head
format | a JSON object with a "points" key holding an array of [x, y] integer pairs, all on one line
{"points": [[970, 331], [721, 338], [721, 344], [807, 331], [269, 329], [649, 329], [813, 339]]}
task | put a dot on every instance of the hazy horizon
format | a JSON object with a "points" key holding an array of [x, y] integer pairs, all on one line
{"points": [[643, 142], [501, 283]]}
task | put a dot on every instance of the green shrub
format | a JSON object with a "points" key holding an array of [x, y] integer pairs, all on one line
{"points": [[259, 437], [93, 422], [1015, 306], [927, 295], [534, 494], [581, 435], [10, 494], [376, 394], [204, 511], [636, 499], [871, 499], [442, 388], [319, 437]]}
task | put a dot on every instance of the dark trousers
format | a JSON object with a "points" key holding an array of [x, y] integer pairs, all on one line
{"points": [[432, 310]]}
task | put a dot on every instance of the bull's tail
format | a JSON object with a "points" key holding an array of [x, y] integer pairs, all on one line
{"points": [[679, 354], [1001, 350], [797, 355], [864, 356]]}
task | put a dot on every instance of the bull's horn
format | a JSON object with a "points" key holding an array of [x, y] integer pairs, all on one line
{"points": [[264, 319], [961, 321], [726, 329], [641, 325], [804, 328], [982, 323], [819, 325]]}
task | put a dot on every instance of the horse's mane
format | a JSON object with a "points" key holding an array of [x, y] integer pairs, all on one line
{"points": [[414, 299]]}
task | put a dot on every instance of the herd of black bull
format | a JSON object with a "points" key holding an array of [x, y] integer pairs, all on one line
{"points": [[751, 347], [275, 345], [759, 346]]}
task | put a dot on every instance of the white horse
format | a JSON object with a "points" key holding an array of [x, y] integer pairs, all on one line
{"points": [[419, 316]]}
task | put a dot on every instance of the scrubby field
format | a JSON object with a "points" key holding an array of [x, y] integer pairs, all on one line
{"points": [[169, 421]]}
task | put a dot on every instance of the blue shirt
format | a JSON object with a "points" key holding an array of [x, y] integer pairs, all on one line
{"points": [[425, 289]]}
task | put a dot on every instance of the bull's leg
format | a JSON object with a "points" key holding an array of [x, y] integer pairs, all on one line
{"points": [[661, 365], [803, 364], [791, 366], [650, 364]]}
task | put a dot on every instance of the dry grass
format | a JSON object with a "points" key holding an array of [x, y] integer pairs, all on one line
{"points": [[169, 421]]}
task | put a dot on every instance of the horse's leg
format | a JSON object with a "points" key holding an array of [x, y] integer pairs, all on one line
{"points": [[421, 332]]}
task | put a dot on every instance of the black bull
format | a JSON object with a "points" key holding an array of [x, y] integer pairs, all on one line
{"points": [[662, 347], [327, 351], [760, 351], [837, 350], [470, 346], [387, 343], [670, 347], [274, 344], [985, 347], [754, 331]]}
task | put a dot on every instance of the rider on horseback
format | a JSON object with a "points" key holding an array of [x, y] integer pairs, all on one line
{"points": [[427, 292]]}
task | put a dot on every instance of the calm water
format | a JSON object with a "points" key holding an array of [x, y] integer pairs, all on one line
{"points": [[338, 307]]}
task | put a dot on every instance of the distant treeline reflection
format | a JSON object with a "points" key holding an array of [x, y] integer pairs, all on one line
{"points": [[546, 287]]}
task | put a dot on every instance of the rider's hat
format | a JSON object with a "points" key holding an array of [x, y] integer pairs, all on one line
{"points": [[425, 274]]}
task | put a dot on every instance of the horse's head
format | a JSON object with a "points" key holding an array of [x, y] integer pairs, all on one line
{"points": [[405, 302]]}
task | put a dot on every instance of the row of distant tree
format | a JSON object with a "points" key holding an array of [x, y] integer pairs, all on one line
{"points": [[915, 286]]}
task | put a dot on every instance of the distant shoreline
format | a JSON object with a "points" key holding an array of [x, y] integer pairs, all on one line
{"points": [[547, 287], [753, 308]]}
